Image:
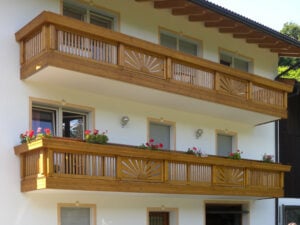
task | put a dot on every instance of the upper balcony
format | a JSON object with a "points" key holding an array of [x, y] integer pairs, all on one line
{"points": [[59, 50], [55, 163]]}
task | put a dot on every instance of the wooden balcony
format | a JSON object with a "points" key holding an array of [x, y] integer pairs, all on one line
{"points": [[52, 40], [55, 163]]}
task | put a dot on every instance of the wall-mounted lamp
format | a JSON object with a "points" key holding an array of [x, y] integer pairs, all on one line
{"points": [[199, 133], [124, 121]]}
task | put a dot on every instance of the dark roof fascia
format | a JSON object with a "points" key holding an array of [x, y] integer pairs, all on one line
{"points": [[251, 23]]}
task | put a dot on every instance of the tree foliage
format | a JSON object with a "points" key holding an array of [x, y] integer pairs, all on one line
{"points": [[292, 30]]}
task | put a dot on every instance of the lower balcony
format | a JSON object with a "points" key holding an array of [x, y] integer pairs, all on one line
{"points": [[56, 163]]}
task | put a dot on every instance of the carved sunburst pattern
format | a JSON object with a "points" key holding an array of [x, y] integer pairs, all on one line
{"points": [[144, 62], [139, 169], [229, 176], [232, 86]]}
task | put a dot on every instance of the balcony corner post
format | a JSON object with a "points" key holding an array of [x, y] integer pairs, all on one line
{"points": [[168, 69]]}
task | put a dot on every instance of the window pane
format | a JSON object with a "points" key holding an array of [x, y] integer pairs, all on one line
{"points": [[225, 59], [161, 134], [73, 125], [158, 218], [224, 143], [241, 65], [44, 118], [75, 216], [101, 20], [73, 11], [168, 41], [188, 47]]}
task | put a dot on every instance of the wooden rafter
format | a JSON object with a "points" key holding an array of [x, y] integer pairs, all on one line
{"points": [[220, 23], [170, 4], [190, 10]]}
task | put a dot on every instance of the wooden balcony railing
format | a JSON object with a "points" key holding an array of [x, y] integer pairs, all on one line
{"points": [[55, 40], [56, 163]]}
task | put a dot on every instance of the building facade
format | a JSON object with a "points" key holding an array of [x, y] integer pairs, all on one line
{"points": [[182, 75]]}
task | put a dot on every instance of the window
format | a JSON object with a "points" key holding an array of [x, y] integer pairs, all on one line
{"points": [[162, 216], [226, 142], [179, 43], [76, 214], [63, 121], [162, 132], [291, 214], [237, 62], [90, 15], [219, 214], [158, 218]]}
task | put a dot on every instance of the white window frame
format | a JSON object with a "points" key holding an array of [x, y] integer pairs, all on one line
{"points": [[232, 134], [234, 56], [104, 13], [178, 37], [59, 108], [92, 208]]}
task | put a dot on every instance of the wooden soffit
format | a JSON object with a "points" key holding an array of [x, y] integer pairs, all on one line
{"points": [[226, 21]]}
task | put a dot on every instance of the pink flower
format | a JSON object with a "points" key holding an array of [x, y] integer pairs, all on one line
{"points": [[96, 131], [195, 149], [39, 130], [151, 140], [87, 132], [161, 145]]}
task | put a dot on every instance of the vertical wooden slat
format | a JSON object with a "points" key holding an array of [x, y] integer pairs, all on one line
{"points": [[48, 161]]}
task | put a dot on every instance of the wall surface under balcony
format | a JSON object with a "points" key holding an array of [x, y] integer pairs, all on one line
{"points": [[112, 208]]}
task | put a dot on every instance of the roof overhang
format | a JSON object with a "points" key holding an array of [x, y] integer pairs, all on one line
{"points": [[226, 21]]}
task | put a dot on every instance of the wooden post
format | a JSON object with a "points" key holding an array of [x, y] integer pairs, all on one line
{"points": [[48, 162], [52, 37], [166, 171], [249, 94], [121, 57], [168, 69]]}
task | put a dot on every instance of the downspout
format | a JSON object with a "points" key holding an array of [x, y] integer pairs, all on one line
{"points": [[276, 160]]}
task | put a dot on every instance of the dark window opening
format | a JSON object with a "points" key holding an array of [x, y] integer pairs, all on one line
{"points": [[158, 218], [224, 214]]}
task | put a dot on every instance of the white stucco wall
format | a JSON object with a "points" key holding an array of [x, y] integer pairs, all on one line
{"points": [[41, 208]]}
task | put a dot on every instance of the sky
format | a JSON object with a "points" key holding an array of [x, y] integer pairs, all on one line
{"points": [[271, 13]]}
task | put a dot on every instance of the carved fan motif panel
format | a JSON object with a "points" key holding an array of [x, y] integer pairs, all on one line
{"points": [[229, 176], [141, 169], [144, 62], [232, 86]]}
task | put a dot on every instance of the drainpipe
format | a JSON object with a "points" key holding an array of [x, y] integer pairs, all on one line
{"points": [[276, 160]]}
